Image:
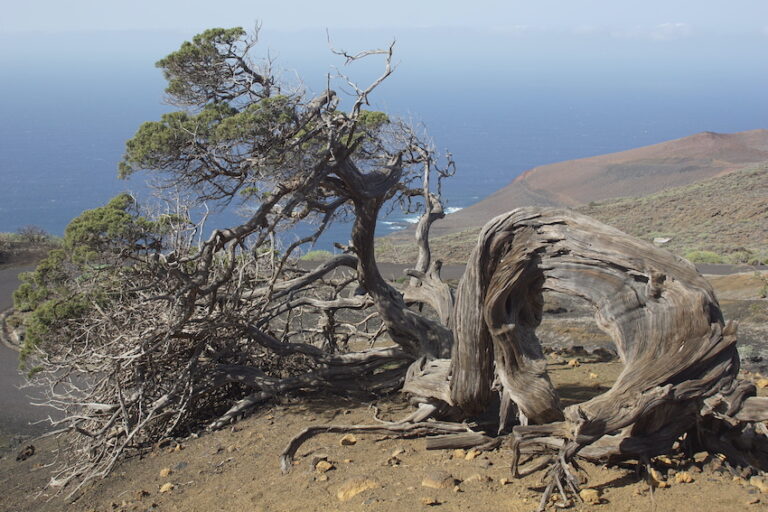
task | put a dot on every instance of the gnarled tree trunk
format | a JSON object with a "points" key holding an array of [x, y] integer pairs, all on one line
{"points": [[680, 357]]}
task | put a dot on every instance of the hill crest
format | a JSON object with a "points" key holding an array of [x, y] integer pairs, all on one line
{"points": [[631, 173]]}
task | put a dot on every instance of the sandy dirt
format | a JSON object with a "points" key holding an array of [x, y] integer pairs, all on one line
{"points": [[237, 469]]}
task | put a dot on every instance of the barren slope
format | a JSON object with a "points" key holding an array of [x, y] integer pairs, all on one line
{"points": [[727, 215], [631, 173]]}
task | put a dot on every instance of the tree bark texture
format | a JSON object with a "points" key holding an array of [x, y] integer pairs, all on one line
{"points": [[680, 357]]}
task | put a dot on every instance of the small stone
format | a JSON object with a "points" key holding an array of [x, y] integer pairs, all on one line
{"points": [[593, 375], [700, 457], [392, 461], [656, 478], [456, 488], [397, 452], [665, 460], [591, 496], [471, 455], [321, 478], [165, 472], [573, 363], [762, 383], [438, 480], [484, 463], [477, 477], [458, 454], [231, 448], [760, 483], [323, 466], [354, 486], [317, 458], [430, 502], [166, 487], [503, 481], [683, 478], [178, 447], [348, 440], [347, 461]]}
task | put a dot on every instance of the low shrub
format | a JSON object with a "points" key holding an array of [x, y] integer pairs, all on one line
{"points": [[704, 257], [317, 256]]}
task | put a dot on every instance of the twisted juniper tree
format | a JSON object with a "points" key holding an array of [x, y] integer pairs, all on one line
{"points": [[142, 329]]}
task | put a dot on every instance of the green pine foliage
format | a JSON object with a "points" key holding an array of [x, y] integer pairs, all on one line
{"points": [[71, 281], [197, 71]]}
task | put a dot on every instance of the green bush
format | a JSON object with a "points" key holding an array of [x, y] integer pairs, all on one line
{"points": [[317, 256], [704, 257], [69, 282]]}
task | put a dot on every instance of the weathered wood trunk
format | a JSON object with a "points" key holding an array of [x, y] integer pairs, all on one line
{"points": [[680, 358]]}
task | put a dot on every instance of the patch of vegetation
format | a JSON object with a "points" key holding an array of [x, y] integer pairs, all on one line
{"points": [[704, 257], [75, 278], [28, 244], [317, 255]]}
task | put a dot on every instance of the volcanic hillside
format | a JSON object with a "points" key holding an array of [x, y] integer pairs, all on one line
{"points": [[632, 173]]}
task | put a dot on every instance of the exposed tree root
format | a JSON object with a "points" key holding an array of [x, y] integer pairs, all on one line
{"points": [[405, 429]]}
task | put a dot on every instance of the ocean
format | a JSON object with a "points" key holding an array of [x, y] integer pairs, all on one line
{"points": [[63, 124]]}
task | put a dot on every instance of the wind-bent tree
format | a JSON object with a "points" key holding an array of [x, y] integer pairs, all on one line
{"points": [[144, 330]]}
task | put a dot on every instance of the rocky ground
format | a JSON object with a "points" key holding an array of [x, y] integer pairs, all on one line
{"points": [[237, 468]]}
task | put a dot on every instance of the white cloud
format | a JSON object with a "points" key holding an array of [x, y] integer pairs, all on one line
{"points": [[667, 31], [661, 32], [587, 30], [515, 30]]}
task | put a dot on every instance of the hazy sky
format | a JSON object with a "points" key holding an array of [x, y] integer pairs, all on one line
{"points": [[646, 18]]}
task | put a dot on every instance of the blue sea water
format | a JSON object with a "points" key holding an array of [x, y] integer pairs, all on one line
{"points": [[63, 124]]}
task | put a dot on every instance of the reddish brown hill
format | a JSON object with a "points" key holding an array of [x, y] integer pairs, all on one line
{"points": [[632, 173]]}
